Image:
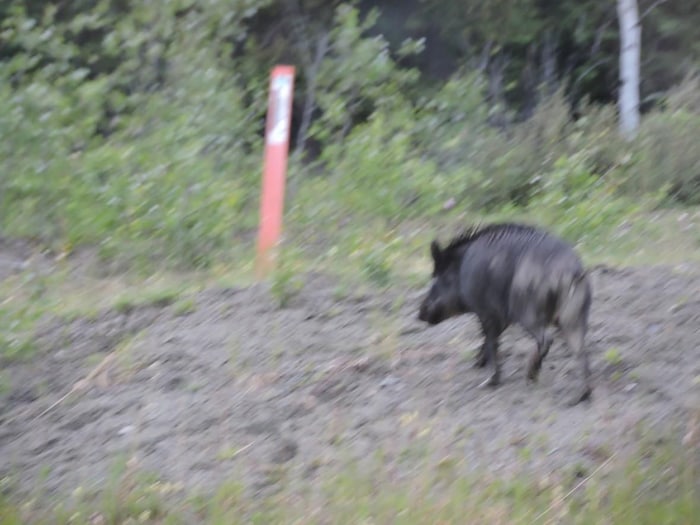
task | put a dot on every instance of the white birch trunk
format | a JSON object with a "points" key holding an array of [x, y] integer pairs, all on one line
{"points": [[630, 52]]}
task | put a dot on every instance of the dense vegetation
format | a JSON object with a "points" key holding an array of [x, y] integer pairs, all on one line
{"points": [[136, 127]]}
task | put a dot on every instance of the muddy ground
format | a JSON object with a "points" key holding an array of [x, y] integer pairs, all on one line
{"points": [[233, 387]]}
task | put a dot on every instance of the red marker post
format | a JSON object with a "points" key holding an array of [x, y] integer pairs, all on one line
{"points": [[279, 117]]}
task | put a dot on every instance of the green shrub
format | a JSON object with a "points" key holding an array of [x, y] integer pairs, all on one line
{"points": [[581, 206], [148, 144], [171, 183], [667, 157], [377, 171]]}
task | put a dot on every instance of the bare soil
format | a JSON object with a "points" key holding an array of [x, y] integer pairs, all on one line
{"points": [[237, 388]]}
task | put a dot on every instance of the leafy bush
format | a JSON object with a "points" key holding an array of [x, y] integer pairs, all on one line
{"points": [[668, 158], [357, 77], [377, 171], [579, 205], [147, 141], [499, 168], [665, 158], [450, 122], [171, 182]]}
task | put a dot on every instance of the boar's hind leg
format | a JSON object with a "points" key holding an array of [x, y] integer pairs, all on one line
{"points": [[482, 357], [575, 340], [544, 342], [492, 329]]}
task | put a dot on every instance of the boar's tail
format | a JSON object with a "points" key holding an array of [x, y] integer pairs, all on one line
{"points": [[575, 300]]}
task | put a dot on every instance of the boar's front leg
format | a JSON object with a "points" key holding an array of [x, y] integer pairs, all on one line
{"points": [[492, 329]]}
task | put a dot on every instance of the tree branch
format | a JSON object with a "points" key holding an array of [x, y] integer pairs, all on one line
{"points": [[649, 9]]}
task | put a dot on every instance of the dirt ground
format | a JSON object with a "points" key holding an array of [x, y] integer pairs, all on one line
{"points": [[236, 388]]}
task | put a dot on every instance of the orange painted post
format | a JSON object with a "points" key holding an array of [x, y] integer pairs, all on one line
{"points": [[279, 116]]}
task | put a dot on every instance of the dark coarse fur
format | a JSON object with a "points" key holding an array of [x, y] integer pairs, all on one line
{"points": [[513, 274]]}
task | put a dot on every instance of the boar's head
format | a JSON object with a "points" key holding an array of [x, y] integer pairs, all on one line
{"points": [[442, 300]]}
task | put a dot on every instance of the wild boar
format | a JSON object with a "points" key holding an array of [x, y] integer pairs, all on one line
{"points": [[513, 274]]}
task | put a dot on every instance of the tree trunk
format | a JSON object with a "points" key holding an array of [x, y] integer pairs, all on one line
{"points": [[630, 51]]}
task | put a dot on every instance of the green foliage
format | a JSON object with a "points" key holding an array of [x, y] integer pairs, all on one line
{"points": [[158, 298], [378, 172], [492, 169], [357, 77], [665, 156], [376, 267], [20, 309], [580, 206], [613, 357], [138, 130], [450, 123], [185, 306], [9, 513], [170, 181], [15, 343]]}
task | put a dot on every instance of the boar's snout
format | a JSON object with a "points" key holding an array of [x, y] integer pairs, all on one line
{"points": [[429, 312], [423, 313]]}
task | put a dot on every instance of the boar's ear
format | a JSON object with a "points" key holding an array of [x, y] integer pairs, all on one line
{"points": [[435, 252]]}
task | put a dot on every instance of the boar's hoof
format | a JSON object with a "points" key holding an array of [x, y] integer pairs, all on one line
{"points": [[584, 394], [533, 370], [492, 381]]}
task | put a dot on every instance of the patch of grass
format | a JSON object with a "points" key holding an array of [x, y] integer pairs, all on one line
{"points": [[129, 497], [613, 356], [376, 268], [185, 306], [132, 497], [286, 278], [525, 453], [16, 329], [157, 297], [605, 229], [5, 383], [10, 514], [351, 498], [81, 297], [634, 492], [648, 237], [23, 301], [16, 346], [226, 505], [26, 298]]}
